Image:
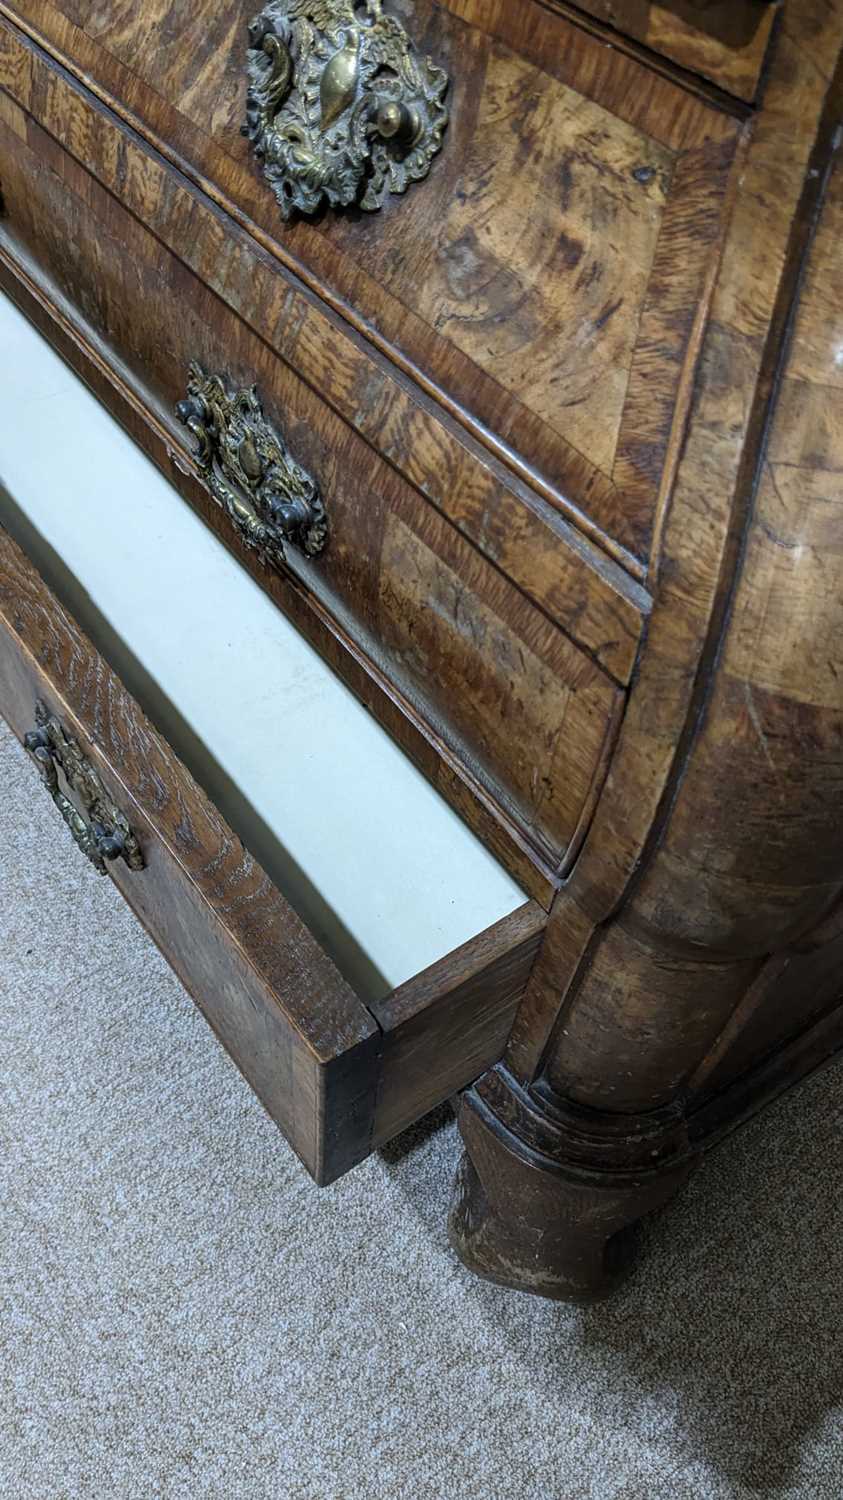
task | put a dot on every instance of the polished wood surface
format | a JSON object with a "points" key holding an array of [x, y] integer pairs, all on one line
{"points": [[315, 624], [693, 969], [553, 311], [292, 1024], [592, 599], [726, 41], [425, 609], [702, 545], [336, 1077]]}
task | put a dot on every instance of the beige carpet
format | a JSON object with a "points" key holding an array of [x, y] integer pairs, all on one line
{"points": [[183, 1314]]}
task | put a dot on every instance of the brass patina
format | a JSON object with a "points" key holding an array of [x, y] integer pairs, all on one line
{"points": [[99, 828], [271, 499], [341, 107]]}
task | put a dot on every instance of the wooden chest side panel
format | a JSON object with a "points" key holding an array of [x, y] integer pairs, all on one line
{"points": [[744, 884], [792, 992], [717, 839], [511, 283]]}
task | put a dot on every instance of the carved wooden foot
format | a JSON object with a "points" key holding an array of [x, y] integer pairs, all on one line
{"points": [[548, 1203]]}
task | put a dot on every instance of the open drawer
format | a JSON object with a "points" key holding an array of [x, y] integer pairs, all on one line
{"points": [[372, 962]]}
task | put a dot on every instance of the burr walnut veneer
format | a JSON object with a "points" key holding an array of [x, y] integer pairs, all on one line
{"points": [[502, 344]]}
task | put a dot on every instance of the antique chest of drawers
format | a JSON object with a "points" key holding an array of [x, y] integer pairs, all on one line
{"points": [[490, 355]]}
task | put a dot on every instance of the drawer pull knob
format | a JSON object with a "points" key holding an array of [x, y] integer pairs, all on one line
{"points": [[340, 107], [101, 831], [272, 500]]}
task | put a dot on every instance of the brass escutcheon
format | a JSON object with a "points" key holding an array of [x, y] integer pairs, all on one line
{"points": [[249, 470], [101, 831], [341, 108]]}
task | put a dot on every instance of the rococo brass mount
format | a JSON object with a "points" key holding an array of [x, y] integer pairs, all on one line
{"points": [[340, 106], [270, 498], [101, 832]]}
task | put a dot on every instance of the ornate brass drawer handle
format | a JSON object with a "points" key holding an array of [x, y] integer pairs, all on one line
{"points": [[101, 832], [270, 498], [340, 106]]}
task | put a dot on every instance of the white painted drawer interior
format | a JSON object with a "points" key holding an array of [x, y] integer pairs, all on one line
{"points": [[384, 873]]}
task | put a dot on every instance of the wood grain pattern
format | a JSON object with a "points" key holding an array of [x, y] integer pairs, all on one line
{"points": [[315, 624], [427, 610], [337, 1078], [808, 1052], [726, 41], [693, 964], [519, 335], [588, 595], [792, 990], [440, 1026], [307, 1045], [545, 251], [740, 357], [700, 567]]}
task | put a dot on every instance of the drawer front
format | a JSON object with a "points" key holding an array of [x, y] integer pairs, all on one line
{"points": [[546, 280], [726, 41], [337, 1077], [513, 721]]}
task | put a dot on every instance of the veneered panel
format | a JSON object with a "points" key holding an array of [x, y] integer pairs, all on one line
{"points": [[524, 717], [725, 41], [512, 282]]}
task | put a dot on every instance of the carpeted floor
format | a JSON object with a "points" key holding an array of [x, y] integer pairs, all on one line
{"points": [[183, 1314]]}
